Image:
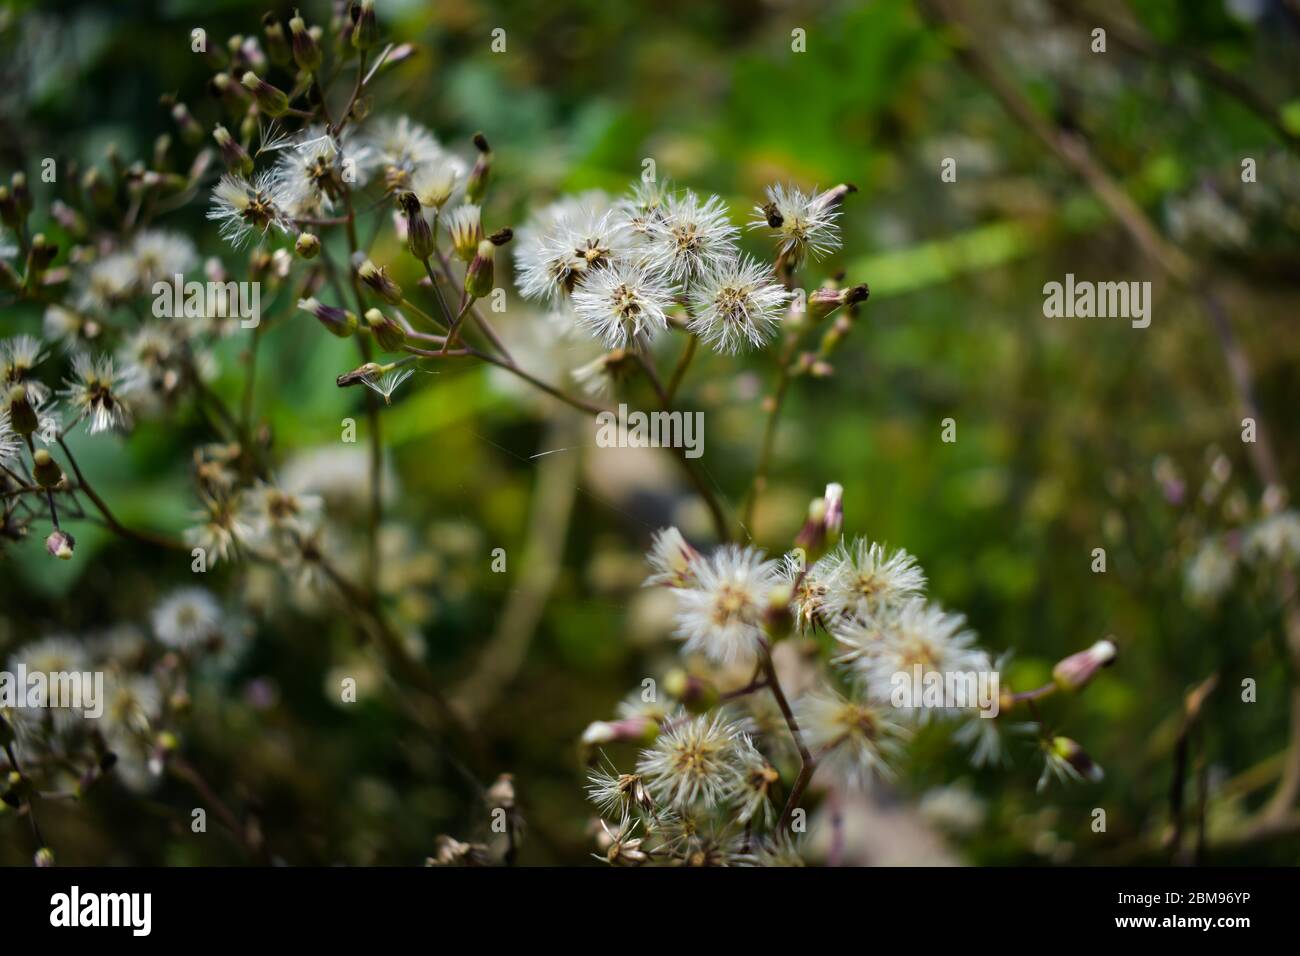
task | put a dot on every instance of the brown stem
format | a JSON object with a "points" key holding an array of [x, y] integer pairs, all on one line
{"points": [[806, 762]]}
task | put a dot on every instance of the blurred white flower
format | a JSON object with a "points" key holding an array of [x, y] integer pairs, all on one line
{"points": [[722, 614]]}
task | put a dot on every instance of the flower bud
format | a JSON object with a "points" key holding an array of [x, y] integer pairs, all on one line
{"points": [[22, 414], [60, 545], [419, 237], [277, 47], [22, 194], [378, 281], [9, 212], [271, 100], [696, 694], [834, 196], [824, 301], [306, 51], [365, 30], [44, 857], [234, 155], [39, 256], [465, 226], [307, 245], [232, 96], [632, 729], [390, 336], [190, 129], [825, 518], [1073, 754], [1075, 671], [478, 277], [338, 321], [45, 469], [482, 171], [834, 498]]}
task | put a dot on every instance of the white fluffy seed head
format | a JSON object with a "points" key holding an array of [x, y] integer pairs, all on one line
{"points": [[723, 614], [691, 237], [694, 762], [804, 223], [737, 304], [623, 303]]}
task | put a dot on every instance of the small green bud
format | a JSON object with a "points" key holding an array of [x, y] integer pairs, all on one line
{"points": [[45, 469], [419, 237], [190, 129], [307, 245], [271, 100], [482, 171], [390, 336], [22, 414], [479, 275], [277, 47], [377, 280], [306, 51], [365, 29], [233, 154]]}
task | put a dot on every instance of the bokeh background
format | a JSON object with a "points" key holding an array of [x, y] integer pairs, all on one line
{"points": [[1072, 435]]}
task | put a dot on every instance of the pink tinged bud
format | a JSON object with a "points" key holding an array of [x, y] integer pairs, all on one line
{"points": [[835, 195], [60, 545], [44, 857], [1075, 671], [482, 171], [633, 729], [834, 499], [479, 275], [338, 321]]}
